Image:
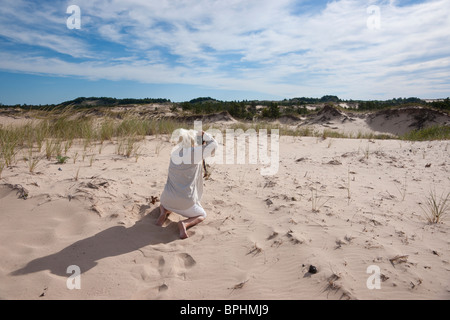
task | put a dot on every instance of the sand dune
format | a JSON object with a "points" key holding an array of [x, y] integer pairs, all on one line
{"points": [[402, 120], [341, 205], [394, 122]]}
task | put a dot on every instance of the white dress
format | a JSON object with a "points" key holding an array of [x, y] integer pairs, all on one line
{"points": [[184, 186]]}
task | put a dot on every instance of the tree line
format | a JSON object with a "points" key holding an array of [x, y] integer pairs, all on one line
{"points": [[247, 109]]}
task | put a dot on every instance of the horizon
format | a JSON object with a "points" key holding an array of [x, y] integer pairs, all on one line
{"points": [[222, 101], [60, 50]]}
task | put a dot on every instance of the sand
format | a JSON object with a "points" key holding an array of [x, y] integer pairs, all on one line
{"points": [[345, 206]]}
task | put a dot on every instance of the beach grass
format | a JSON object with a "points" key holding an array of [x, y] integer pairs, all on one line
{"points": [[437, 132], [307, 131], [436, 207], [57, 130]]}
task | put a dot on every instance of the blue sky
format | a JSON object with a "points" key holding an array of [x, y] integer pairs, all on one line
{"points": [[229, 50]]}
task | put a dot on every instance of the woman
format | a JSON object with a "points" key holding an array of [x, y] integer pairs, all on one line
{"points": [[184, 186]]}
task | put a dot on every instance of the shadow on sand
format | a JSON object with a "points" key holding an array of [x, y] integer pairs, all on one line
{"points": [[111, 242]]}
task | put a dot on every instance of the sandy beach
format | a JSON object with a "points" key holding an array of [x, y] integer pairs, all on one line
{"points": [[345, 206]]}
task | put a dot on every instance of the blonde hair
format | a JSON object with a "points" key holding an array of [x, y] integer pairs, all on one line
{"points": [[187, 138]]}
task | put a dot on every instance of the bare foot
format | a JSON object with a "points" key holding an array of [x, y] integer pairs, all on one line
{"points": [[183, 231], [162, 216], [186, 224]]}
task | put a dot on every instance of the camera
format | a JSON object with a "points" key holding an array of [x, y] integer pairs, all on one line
{"points": [[200, 140]]}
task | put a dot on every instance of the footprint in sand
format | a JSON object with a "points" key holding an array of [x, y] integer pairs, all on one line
{"points": [[187, 260], [161, 263], [163, 287], [175, 266], [218, 202]]}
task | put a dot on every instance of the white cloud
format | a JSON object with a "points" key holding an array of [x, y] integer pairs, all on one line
{"points": [[255, 45]]}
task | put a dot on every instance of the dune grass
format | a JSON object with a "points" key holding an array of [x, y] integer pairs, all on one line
{"points": [[54, 132], [2, 166], [436, 207], [306, 131], [437, 132]]}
